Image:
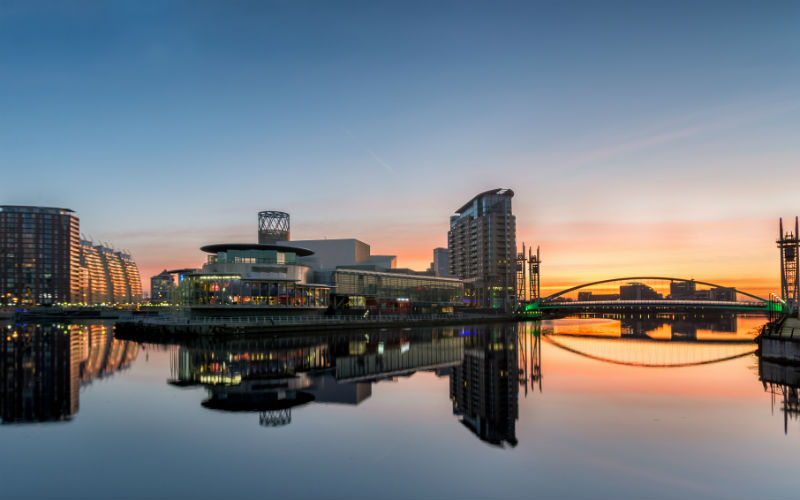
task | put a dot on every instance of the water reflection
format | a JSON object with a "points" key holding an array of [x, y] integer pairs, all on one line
{"points": [[657, 340], [782, 382], [483, 387], [273, 376], [42, 368]]}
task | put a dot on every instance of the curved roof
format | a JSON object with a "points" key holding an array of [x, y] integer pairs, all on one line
{"points": [[500, 191], [223, 247]]}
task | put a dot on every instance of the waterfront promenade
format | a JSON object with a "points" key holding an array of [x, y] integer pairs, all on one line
{"points": [[182, 326]]}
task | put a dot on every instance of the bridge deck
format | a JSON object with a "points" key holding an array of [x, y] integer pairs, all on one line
{"points": [[627, 304]]}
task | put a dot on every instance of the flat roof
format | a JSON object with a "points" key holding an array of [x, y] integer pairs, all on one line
{"points": [[222, 247], [396, 275]]}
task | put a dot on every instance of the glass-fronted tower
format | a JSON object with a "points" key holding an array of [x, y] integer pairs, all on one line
{"points": [[483, 247], [39, 255]]}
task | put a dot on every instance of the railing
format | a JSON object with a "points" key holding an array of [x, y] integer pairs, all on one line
{"points": [[658, 302], [300, 319]]}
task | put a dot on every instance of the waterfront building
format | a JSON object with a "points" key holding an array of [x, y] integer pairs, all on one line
{"points": [[161, 287], [108, 276], [39, 255], [396, 293], [252, 274], [482, 249]]}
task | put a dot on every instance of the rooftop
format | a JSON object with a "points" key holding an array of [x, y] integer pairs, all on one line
{"points": [[224, 247]]}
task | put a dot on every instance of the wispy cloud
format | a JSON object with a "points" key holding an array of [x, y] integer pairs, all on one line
{"points": [[369, 151]]}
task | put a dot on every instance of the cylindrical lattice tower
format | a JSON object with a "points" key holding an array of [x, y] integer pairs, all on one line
{"points": [[273, 226]]}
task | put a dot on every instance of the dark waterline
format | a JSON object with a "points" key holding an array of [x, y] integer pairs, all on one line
{"points": [[628, 407]]}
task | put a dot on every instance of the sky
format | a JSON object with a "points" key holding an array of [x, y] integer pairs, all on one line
{"points": [[638, 137]]}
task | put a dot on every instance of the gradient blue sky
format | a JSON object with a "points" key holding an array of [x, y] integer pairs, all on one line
{"points": [[635, 134]]}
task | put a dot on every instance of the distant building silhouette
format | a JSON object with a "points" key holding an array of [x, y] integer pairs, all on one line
{"points": [[161, 286], [638, 291]]}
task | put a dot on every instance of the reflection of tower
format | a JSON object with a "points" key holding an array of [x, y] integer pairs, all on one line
{"points": [[789, 247], [536, 357], [782, 381], [275, 418], [483, 388], [530, 348], [272, 227], [534, 261], [39, 368]]}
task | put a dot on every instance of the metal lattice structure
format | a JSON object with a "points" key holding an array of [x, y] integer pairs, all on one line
{"points": [[789, 246], [275, 418], [521, 288], [534, 262], [273, 226]]}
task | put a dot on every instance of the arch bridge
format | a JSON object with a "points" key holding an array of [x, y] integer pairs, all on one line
{"points": [[635, 295]]}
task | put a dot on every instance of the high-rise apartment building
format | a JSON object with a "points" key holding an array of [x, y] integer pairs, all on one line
{"points": [[482, 246], [43, 261], [39, 255], [108, 276]]}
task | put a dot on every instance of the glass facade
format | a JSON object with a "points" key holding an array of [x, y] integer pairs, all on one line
{"points": [[39, 255], [395, 286], [251, 275], [216, 289]]}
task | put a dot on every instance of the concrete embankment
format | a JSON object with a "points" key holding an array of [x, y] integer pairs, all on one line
{"points": [[780, 341], [227, 327]]}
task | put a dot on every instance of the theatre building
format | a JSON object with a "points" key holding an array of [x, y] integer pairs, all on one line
{"points": [[261, 276]]}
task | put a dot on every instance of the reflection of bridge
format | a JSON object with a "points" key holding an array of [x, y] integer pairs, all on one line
{"points": [[635, 295]]}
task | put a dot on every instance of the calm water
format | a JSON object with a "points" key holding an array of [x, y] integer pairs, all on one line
{"points": [[575, 408]]}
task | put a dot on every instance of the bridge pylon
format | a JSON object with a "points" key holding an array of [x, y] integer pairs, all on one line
{"points": [[789, 247]]}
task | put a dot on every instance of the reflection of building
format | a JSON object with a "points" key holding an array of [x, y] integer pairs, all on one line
{"points": [[683, 327], [484, 388], [39, 255], [161, 287], [274, 375], [39, 367], [43, 366], [483, 247]]}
